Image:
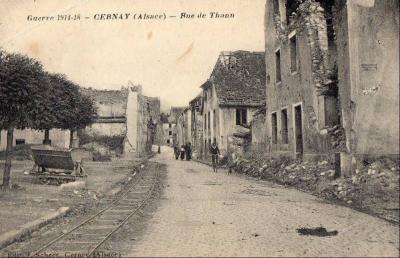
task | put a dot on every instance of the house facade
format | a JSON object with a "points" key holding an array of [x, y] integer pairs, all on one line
{"points": [[231, 96], [368, 72], [168, 134], [111, 111], [301, 77], [177, 129], [196, 127]]}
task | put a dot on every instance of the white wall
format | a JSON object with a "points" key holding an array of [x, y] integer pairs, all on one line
{"points": [[59, 138], [131, 140]]}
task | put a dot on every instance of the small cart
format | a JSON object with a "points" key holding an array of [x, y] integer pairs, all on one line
{"points": [[57, 165]]}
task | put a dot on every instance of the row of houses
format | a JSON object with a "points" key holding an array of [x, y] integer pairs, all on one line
{"points": [[327, 83], [124, 113]]}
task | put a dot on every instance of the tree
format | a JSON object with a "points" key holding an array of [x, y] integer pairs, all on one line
{"points": [[32, 98], [71, 110], [23, 99], [85, 115], [55, 89]]}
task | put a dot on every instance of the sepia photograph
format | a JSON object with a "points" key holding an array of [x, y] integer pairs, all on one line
{"points": [[199, 128]]}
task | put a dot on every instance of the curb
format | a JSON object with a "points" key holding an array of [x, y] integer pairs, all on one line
{"points": [[26, 229]]}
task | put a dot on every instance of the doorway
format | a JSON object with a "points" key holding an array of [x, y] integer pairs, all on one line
{"points": [[298, 131]]}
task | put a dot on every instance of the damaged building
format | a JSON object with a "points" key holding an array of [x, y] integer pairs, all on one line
{"points": [[332, 78], [232, 94], [367, 35], [301, 65], [126, 114], [111, 111], [142, 125], [196, 107]]}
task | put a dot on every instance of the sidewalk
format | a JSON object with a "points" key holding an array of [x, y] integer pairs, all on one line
{"points": [[31, 201]]}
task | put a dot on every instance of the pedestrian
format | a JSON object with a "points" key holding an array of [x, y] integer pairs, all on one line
{"points": [[176, 152], [214, 150], [188, 151], [182, 152], [231, 162]]}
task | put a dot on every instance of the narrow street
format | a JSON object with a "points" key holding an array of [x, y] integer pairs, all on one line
{"points": [[207, 214]]}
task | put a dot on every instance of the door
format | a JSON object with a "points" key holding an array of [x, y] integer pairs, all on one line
{"points": [[298, 131]]}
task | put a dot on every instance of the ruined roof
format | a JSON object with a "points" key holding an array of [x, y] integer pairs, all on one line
{"points": [[198, 97], [175, 113], [239, 78], [107, 96]]}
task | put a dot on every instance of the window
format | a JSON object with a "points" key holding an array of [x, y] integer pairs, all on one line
{"points": [[211, 92], [209, 120], [170, 132], [274, 128], [278, 65], [214, 121], [169, 125], [284, 125], [276, 6], [168, 141], [291, 7], [241, 116], [19, 141], [293, 53]]}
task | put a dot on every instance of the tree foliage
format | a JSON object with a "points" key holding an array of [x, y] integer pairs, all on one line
{"points": [[33, 98], [23, 92]]}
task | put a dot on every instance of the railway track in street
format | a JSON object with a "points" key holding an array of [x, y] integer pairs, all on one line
{"points": [[87, 237]]}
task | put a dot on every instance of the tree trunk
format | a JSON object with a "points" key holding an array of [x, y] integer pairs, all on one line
{"points": [[71, 138], [46, 137], [7, 167]]}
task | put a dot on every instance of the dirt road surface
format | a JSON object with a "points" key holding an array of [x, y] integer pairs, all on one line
{"points": [[206, 214]]}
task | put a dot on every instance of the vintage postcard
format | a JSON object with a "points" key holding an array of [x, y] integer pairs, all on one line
{"points": [[205, 128]]}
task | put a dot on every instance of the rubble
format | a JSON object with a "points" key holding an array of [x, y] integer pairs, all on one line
{"points": [[370, 188]]}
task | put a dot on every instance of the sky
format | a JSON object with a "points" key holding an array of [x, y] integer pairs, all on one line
{"points": [[169, 57]]}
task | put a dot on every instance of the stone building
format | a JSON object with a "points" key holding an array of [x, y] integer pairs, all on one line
{"points": [[258, 131], [111, 111], [301, 77], [177, 132], [142, 125], [187, 125], [196, 125], [367, 35], [167, 132], [232, 94]]}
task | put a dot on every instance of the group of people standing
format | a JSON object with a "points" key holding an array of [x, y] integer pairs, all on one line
{"points": [[185, 151]]}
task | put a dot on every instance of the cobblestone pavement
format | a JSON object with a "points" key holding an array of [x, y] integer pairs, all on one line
{"points": [[206, 214]]}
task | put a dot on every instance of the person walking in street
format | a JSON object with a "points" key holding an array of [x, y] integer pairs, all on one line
{"points": [[188, 148], [214, 150], [176, 152], [182, 152]]}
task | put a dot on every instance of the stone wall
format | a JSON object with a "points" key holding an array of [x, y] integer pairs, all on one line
{"points": [[304, 86], [368, 68], [258, 129], [107, 129], [142, 115]]}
